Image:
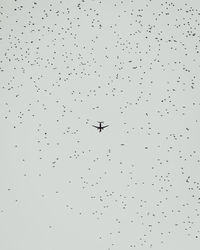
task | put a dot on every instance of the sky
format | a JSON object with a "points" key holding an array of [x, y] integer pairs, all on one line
{"points": [[64, 66]]}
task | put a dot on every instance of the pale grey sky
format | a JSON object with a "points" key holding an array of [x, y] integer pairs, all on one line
{"points": [[66, 65]]}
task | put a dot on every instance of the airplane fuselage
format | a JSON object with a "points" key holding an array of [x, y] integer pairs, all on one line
{"points": [[100, 127]]}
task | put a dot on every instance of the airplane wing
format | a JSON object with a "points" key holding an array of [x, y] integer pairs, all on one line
{"points": [[104, 126], [95, 126]]}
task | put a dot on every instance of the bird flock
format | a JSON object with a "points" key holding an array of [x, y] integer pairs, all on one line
{"points": [[64, 65]]}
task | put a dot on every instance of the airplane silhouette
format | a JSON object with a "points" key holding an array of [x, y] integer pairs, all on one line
{"points": [[100, 127]]}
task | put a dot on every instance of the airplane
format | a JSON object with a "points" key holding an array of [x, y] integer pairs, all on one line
{"points": [[100, 127]]}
